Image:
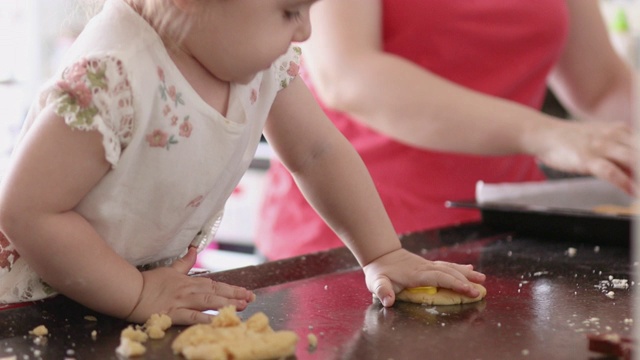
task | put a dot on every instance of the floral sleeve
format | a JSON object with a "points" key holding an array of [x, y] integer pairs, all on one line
{"points": [[95, 94], [287, 66]]}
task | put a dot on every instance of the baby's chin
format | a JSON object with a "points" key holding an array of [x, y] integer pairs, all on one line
{"points": [[249, 78]]}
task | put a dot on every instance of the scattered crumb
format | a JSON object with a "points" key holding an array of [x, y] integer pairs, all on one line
{"points": [[313, 341], [155, 332], [596, 249], [131, 338], [628, 321], [326, 287], [12, 357], [571, 252], [94, 334], [610, 295], [134, 334], [228, 337], [156, 326], [525, 352], [432, 311], [90, 318], [620, 283], [40, 330], [130, 348]]}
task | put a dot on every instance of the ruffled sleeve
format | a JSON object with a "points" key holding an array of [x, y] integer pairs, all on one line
{"points": [[288, 66], [95, 94]]}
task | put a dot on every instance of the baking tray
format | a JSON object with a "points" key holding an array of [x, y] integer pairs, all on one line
{"points": [[554, 223]]}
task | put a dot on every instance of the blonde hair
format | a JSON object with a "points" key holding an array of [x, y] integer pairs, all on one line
{"points": [[162, 15]]}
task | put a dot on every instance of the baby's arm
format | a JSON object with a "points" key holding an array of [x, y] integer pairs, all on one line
{"points": [[336, 183], [53, 169]]}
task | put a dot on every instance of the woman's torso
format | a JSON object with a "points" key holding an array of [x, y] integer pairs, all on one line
{"points": [[504, 48]]}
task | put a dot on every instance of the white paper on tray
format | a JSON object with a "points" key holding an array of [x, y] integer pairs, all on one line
{"points": [[573, 193]]}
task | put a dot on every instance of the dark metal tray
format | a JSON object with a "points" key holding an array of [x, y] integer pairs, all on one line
{"points": [[554, 222]]}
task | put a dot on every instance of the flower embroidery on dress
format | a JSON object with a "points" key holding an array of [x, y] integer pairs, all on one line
{"points": [[169, 91], [290, 67], [293, 69], [8, 256], [159, 138], [171, 98], [85, 96], [186, 127], [78, 84]]}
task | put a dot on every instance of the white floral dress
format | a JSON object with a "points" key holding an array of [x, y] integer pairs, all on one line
{"points": [[175, 160]]}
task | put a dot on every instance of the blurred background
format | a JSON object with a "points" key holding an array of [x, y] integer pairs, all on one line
{"points": [[34, 35]]}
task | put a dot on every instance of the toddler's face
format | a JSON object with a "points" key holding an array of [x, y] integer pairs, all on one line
{"points": [[236, 39]]}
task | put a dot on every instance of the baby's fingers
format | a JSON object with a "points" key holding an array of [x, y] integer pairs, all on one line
{"points": [[182, 316], [232, 292], [466, 270], [383, 289], [185, 263]]}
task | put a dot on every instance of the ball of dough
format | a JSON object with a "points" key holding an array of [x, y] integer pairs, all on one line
{"points": [[429, 295]]}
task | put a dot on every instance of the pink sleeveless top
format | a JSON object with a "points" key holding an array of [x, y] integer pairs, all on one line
{"points": [[504, 48]]}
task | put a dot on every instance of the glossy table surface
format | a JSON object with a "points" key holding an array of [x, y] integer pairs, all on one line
{"points": [[541, 304]]}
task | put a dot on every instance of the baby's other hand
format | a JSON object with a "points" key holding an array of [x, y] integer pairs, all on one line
{"points": [[169, 290], [401, 269]]}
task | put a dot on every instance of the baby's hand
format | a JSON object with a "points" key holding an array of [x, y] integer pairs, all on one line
{"points": [[171, 291], [401, 269]]}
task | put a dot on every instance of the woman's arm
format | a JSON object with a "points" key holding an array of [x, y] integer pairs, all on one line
{"points": [[353, 74], [590, 79]]}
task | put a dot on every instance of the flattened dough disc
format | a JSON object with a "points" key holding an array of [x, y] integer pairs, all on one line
{"points": [[428, 296]]}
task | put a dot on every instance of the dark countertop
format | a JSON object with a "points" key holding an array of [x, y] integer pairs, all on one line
{"points": [[541, 304]]}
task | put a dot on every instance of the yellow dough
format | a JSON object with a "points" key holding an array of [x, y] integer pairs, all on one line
{"points": [[430, 295], [227, 337]]}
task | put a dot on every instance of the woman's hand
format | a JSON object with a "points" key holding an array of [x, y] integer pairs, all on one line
{"points": [[399, 269], [169, 290], [605, 150]]}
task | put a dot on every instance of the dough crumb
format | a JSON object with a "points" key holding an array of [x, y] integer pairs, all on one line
{"points": [[131, 338], [227, 337], [156, 326], [94, 334], [134, 334], [39, 330], [130, 348], [313, 341], [610, 295], [571, 252], [90, 318]]}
